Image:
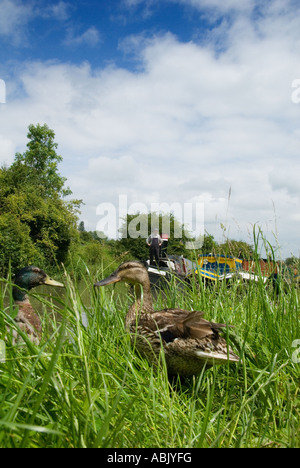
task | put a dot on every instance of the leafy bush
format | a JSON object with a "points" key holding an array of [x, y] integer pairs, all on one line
{"points": [[36, 224]]}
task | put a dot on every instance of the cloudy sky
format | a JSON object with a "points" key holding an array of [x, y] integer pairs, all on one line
{"points": [[163, 101]]}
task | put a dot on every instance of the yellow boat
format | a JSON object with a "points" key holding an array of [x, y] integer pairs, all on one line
{"points": [[218, 267]]}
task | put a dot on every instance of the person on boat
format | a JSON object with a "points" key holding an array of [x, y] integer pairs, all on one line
{"points": [[154, 241]]}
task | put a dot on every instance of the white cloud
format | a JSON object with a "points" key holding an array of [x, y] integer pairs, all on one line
{"points": [[220, 5], [132, 3], [285, 178], [14, 17], [60, 10], [188, 125], [90, 37]]}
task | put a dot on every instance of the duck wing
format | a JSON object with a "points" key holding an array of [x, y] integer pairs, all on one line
{"points": [[189, 341], [178, 323], [197, 327]]}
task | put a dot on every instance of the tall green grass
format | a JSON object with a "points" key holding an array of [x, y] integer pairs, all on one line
{"points": [[85, 387]]}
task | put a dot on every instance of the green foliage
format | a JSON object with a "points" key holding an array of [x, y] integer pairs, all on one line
{"points": [[40, 162], [85, 387], [230, 247], [36, 224], [235, 249], [141, 225], [137, 227], [91, 253], [208, 245], [293, 262], [16, 244]]}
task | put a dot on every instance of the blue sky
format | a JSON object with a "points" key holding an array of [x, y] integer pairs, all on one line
{"points": [[94, 31], [164, 101]]}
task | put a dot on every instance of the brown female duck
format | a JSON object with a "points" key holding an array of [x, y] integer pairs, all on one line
{"points": [[27, 320], [188, 341]]}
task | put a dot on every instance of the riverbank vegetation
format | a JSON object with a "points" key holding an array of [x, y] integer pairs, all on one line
{"points": [[84, 386]]}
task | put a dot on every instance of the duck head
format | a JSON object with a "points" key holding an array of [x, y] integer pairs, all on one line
{"points": [[30, 277], [131, 272]]}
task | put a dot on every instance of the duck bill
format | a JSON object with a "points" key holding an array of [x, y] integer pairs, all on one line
{"points": [[113, 278], [51, 282]]}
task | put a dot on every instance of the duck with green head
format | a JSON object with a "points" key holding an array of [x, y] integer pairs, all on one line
{"points": [[27, 319]]}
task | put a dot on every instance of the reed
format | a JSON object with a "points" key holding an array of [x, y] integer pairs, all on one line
{"points": [[85, 387]]}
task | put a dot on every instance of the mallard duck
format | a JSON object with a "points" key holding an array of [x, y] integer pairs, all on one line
{"points": [[28, 321], [188, 340]]}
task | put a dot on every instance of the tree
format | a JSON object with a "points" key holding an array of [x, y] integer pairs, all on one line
{"points": [[81, 227], [235, 249], [137, 227], [208, 245], [36, 223], [41, 161], [293, 262]]}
